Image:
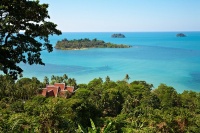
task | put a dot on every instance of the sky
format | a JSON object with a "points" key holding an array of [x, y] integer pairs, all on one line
{"points": [[124, 15]]}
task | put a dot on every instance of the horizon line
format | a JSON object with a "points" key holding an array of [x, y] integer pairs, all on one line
{"points": [[133, 31]]}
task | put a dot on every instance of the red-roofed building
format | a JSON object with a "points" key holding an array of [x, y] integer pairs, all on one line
{"points": [[70, 89], [50, 93], [44, 92], [61, 85], [58, 89]]}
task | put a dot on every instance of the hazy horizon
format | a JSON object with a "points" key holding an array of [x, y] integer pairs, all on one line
{"points": [[125, 16], [132, 31]]}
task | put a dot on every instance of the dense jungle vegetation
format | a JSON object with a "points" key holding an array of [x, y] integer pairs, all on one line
{"points": [[86, 43], [98, 106]]}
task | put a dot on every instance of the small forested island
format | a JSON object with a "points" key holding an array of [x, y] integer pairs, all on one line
{"points": [[180, 35], [85, 44], [118, 35]]}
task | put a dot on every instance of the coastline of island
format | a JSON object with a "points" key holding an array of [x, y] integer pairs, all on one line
{"points": [[71, 48], [83, 44]]}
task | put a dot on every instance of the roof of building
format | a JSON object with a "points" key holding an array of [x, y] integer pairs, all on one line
{"points": [[70, 89], [44, 92], [61, 85], [53, 90]]}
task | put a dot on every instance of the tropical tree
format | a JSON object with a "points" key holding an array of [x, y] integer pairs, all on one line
{"points": [[107, 79], [46, 80], [26, 88], [167, 95], [7, 88], [65, 77], [190, 100], [109, 83], [93, 129], [59, 79], [82, 94], [95, 83], [72, 82], [127, 77], [22, 22], [52, 77], [111, 101], [81, 110]]}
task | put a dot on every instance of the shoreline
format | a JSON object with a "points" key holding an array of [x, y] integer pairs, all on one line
{"points": [[73, 49], [85, 48]]}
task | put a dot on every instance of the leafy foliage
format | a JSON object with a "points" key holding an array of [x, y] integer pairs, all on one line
{"points": [[98, 107], [94, 129], [22, 23]]}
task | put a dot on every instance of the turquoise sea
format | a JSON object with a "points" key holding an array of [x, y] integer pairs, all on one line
{"points": [[156, 57]]}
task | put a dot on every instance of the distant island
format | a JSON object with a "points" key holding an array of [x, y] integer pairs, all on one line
{"points": [[85, 44], [118, 35], [180, 35]]}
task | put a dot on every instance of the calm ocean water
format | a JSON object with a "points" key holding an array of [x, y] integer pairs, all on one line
{"points": [[156, 57]]}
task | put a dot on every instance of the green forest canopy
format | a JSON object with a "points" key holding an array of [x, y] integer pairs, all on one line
{"points": [[86, 43], [106, 105]]}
